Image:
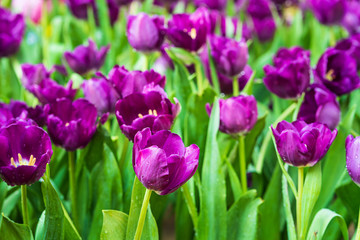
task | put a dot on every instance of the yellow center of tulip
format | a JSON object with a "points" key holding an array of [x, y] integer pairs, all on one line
{"points": [[193, 33], [67, 124], [21, 162], [151, 112], [330, 75]]}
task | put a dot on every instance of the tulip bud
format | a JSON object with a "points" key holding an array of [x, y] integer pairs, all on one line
{"points": [[161, 161], [352, 146], [328, 11]]}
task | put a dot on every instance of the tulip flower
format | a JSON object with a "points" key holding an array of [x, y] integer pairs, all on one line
{"points": [[71, 125], [320, 105], [352, 146], [86, 59], [290, 75], [141, 110], [189, 31], [337, 70], [17, 110], [351, 19], [25, 150], [351, 46], [300, 144], [101, 93], [262, 22], [12, 28], [212, 4], [126, 82], [31, 9], [161, 161], [238, 115], [230, 56], [145, 33], [328, 12]]}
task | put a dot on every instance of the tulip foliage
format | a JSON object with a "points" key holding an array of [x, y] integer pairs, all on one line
{"points": [[175, 119]]}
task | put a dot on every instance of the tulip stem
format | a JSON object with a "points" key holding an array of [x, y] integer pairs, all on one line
{"points": [[242, 163], [265, 144], [24, 205], [199, 76], [298, 202], [73, 187], [358, 228], [235, 86], [191, 205], [142, 216]]}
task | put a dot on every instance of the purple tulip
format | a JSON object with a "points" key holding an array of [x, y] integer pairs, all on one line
{"points": [[290, 75], [238, 115], [145, 33], [161, 161], [17, 110], [263, 23], [351, 20], [230, 56], [122, 2], [337, 70], [36, 80], [300, 144], [320, 105], [126, 82], [351, 46], [328, 11], [212, 4], [12, 28], [352, 146], [71, 125], [101, 93], [79, 9], [86, 59], [189, 31], [141, 110], [24, 152]]}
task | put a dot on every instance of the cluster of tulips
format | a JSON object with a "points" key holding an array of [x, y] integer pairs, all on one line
{"points": [[204, 68]]}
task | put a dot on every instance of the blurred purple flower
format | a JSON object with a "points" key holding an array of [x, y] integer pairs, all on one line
{"points": [[230, 56], [212, 4], [161, 161], [86, 59], [337, 70], [351, 46], [141, 110], [17, 110], [189, 31], [263, 24], [145, 33], [36, 79], [238, 115], [126, 82], [25, 150], [300, 144], [352, 146], [320, 105], [71, 125], [100, 92], [328, 11], [12, 28], [290, 75]]}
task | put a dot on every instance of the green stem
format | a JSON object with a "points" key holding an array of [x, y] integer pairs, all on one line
{"points": [[358, 228], [235, 86], [264, 146], [73, 187], [191, 205], [24, 206], [142, 216], [242, 163], [199, 76], [298, 201]]}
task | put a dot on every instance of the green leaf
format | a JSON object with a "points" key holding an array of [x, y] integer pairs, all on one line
{"points": [[40, 227], [310, 195], [287, 207], [213, 200], [270, 212], [242, 217], [322, 220], [114, 225], [3, 191], [251, 138], [11, 230], [150, 230], [349, 194]]}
